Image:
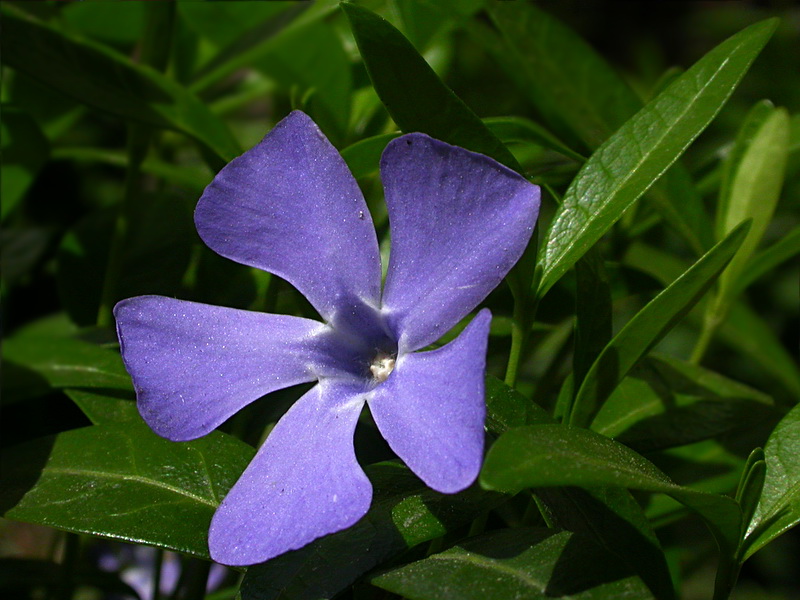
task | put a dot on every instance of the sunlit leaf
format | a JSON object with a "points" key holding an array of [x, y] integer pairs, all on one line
{"points": [[628, 163], [779, 508], [123, 481]]}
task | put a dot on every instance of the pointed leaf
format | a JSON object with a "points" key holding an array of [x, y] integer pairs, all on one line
{"points": [[413, 94], [779, 507], [666, 402], [754, 189], [648, 326], [123, 482], [555, 455], [517, 563], [98, 76], [628, 163]]}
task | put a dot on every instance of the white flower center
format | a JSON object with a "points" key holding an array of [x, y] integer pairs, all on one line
{"points": [[381, 367]]}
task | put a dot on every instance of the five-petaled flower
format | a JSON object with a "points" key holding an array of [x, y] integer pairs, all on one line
{"points": [[459, 221]]}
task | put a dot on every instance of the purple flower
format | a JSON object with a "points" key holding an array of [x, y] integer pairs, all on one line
{"points": [[459, 221]]}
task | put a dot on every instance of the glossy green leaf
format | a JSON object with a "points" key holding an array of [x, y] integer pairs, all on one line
{"points": [[556, 455], [25, 150], [517, 563], [364, 156], [404, 513], [628, 163], [123, 481], [579, 93], [506, 408], [103, 79], [745, 330], [779, 507], [413, 94], [666, 402], [649, 326], [67, 362], [106, 406], [755, 184]]}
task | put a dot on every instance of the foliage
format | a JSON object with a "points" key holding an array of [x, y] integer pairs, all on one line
{"points": [[647, 340]]}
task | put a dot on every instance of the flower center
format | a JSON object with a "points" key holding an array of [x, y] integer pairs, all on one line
{"points": [[382, 366]]}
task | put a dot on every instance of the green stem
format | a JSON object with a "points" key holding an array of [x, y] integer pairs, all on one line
{"points": [[711, 321], [66, 581], [138, 142], [158, 564]]}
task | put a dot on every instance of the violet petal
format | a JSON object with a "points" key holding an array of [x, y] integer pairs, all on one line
{"points": [[304, 482], [459, 222], [431, 409], [194, 365], [291, 207]]}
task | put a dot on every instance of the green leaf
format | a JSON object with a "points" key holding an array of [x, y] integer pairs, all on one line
{"points": [[413, 94], [517, 563], [24, 150], [571, 85], [364, 156], [756, 178], [106, 406], [613, 519], [404, 513], [767, 260], [123, 481], [225, 23], [507, 408], [649, 326], [628, 163], [96, 75], [258, 41], [579, 93], [666, 402], [156, 256], [67, 362], [312, 61], [779, 507], [593, 313], [556, 456], [519, 129], [748, 332]]}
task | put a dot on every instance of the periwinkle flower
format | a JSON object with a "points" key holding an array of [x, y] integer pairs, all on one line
{"points": [[459, 221]]}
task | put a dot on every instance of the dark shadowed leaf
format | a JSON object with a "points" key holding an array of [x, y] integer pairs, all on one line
{"points": [[103, 79], [413, 94], [404, 513], [555, 455], [649, 326], [666, 402], [25, 150], [517, 563], [613, 519]]}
